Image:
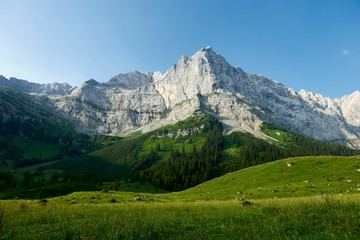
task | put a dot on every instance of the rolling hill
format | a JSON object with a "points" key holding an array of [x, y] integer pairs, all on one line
{"points": [[306, 177]]}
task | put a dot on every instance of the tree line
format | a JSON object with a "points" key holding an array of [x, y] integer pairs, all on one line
{"points": [[29, 185]]}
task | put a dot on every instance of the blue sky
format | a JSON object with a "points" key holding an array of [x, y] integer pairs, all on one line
{"points": [[307, 44]]}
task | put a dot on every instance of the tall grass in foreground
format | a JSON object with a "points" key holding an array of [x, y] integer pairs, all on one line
{"points": [[302, 218], [2, 222]]}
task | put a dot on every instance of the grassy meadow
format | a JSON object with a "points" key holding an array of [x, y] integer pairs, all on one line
{"points": [[315, 198], [294, 218]]}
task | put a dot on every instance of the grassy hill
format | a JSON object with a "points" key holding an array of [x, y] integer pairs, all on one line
{"points": [[326, 206], [308, 176]]}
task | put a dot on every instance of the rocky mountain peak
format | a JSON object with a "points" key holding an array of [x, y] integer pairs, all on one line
{"points": [[189, 77], [131, 80], [210, 57], [208, 51], [91, 82], [354, 95]]}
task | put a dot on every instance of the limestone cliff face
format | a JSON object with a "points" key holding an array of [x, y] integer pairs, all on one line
{"points": [[206, 83], [109, 109]]}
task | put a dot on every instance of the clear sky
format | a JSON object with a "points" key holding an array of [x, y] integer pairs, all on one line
{"points": [[304, 44]]}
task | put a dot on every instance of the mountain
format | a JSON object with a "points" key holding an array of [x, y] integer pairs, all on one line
{"points": [[205, 83]]}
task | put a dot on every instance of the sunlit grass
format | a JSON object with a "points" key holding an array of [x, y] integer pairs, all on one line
{"points": [[299, 218]]}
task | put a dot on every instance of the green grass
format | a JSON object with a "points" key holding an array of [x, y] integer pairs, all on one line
{"points": [[278, 133], [138, 187], [168, 144], [136, 133], [303, 218], [309, 176], [190, 123]]}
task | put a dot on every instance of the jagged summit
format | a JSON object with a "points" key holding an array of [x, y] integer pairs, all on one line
{"points": [[207, 49], [204, 56], [131, 80], [209, 54]]}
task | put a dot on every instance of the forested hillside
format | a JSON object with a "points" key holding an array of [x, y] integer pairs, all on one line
{"points": [[174, 157], [222, 154]]}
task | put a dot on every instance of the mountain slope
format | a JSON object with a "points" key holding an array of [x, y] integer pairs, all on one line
{"points": [[33, 132], [23, 115]]}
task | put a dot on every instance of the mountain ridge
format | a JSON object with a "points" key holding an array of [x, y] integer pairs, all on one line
{"points": [[206, 82], [30, 87]]}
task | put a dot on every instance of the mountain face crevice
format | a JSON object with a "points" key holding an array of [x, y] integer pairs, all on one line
{"points": [[202, 83]]}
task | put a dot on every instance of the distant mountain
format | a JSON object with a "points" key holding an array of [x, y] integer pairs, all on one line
{"points": [[29, 87], [206, 83]]}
